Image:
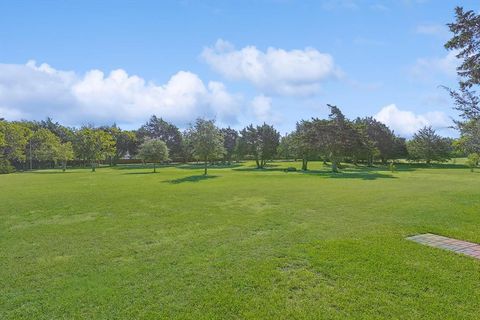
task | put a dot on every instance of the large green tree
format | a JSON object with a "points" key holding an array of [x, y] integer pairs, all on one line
{"points": [[207, 141], [126, 142], [261, 142], [230, 137], [379, 140], [154, 151], [337, 137], [44, 145], [64, 154], [286, 148], [157, 128], [428, 146], [466, 43], [94, 145], [304, 139], [16, 136]]}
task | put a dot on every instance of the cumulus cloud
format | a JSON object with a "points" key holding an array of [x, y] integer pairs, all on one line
{"points": [[262, 108], [406, 123], [427, 68], [36, 91], [294, 72]]}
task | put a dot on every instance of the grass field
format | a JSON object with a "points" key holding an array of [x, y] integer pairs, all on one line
{"points": [[123, 243]]}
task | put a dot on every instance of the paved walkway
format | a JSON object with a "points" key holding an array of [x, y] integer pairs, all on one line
{"points": [[467, 248]]}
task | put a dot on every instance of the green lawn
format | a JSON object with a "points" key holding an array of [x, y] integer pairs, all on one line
{"points": [[123, 243]]}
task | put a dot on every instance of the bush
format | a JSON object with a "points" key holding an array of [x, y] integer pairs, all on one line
{"points": [[6, 167], [289, 169], [472, 160]]}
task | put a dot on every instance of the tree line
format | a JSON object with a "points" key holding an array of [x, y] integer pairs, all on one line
{"points": [[336, 139]]}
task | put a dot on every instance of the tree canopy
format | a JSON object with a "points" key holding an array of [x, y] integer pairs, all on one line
{"points": [[157, 128], [427, 146], [153, 150], [207, 141]]}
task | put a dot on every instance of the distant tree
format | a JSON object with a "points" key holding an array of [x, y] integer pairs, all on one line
{"points": [[65, 134], [399, 150], [187, 150], [261, 142], [286, 147], [336, 136], [305, 141], [64, 154], [44, 145], [426, 145], [153, 150], [15, 139], [126, 142], [380, 140], [207, 141], [472, 160], [157, 128], [94, 145], [230, 137]]}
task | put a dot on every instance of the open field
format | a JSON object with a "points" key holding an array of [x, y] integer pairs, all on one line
{"points": [[123, 243]]}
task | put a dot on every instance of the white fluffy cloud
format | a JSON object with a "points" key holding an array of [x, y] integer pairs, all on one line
{"points": [[407, 122], [262, 108], [31, 91], [428, 68], [295, 72]]}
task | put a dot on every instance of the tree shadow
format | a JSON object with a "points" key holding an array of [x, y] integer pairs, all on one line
{"points": [[142, 166], [210, 166], [190, 179], [49, 172], [437, 166], [384, 168], [363, 175], [146, 172], [259, 169]]}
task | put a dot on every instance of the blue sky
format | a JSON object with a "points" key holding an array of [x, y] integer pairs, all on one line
{"points": [[241, 62]]}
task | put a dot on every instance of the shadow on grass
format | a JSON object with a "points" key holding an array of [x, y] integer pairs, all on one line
{"points": [[363, 175], [48, 171], [175, 165], [143, 172], [210, 166], [142, 166], [190, 179], [259, 169]]}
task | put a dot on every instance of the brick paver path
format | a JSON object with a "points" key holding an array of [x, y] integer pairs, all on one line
{"points": [[467, 248]]}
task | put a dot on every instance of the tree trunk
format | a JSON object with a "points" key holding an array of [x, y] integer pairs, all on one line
{"points": [[258, 164], [370, 160], [334, 166], [64, 166], [154, 168], [304, 164], [205, 168], [93, 166]]}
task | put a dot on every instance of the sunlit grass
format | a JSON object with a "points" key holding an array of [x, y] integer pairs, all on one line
{"points": [[241, 243]]}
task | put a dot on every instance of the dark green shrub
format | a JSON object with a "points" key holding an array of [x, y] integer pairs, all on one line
{"points": [[5, 166]]}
